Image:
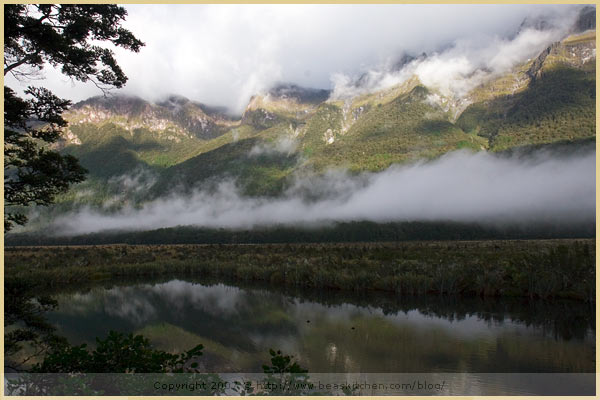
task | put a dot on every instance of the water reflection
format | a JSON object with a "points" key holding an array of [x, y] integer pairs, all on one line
{"points": [[336, 332]]}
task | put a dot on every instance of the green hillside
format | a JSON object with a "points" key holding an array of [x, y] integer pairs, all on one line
{"points": [[405, 129], [262, 174], [558, 103], [136, 151], [558, 106]]}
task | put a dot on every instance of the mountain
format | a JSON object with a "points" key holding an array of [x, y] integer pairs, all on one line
{"points": [[175, 114], [114, 134], [549, 99], [137, 150], [283, 103]]}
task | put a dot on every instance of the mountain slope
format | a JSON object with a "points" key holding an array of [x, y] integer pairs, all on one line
{"points": [[405, 129], [137, 150], [557, 103]]}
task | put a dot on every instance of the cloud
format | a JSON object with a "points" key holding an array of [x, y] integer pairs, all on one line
{"points": [[461, 66], [283, 145], [223, 54], [138, 181], [459, 186]]}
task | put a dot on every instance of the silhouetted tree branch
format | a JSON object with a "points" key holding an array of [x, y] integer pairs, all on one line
{"points": [[61, 35]]}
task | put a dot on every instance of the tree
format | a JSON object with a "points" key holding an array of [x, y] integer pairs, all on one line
{"points": [[128, 365], [65, 36]]}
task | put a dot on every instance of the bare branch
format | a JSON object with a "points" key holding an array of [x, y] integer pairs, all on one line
{"points": [[106, 89], [33, 74], [22, 61]]}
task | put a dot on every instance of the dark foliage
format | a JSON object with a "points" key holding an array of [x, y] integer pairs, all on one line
{"points": [[32, 173], [118, 353], [24, 316], [355, 231], [535, 269], [61, 35]]}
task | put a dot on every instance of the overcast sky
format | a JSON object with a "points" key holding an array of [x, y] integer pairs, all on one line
{"points": [[223, 54]]}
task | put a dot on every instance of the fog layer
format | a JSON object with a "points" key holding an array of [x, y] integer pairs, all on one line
{"points": [[459, 186]]}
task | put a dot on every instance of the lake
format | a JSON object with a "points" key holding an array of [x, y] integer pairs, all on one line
{"points": [[345, 333]]}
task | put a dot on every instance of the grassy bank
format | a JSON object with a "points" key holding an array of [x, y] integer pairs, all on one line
{"points": [[533, 268]]}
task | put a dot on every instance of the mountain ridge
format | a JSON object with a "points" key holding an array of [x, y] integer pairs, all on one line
{"points": [[401, 123], [137, 150]]}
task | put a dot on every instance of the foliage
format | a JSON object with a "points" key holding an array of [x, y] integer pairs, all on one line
{"points": [[24, 322], [120, 364], [128, 365], [405, 129], [61, 35], [558, 106], [371, 134], [34, 174], [284, 377], [263, 174], [117, 353], [112, 157], [535, 269], [353, 231]]}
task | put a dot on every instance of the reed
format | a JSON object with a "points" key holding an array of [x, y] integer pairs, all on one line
{"points": [[561, 268]]}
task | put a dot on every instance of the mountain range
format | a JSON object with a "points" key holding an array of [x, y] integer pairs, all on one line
{"points": [[136, 150]]}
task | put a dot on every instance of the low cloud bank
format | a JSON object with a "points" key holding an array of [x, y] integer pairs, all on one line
{"points": [[460, 186], [459, 68]]}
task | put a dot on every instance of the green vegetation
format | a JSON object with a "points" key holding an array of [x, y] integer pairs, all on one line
{"points": [[544, 268], [128, 365], [33, 174], [543, 102], [581, 38], [177, 160], [109, 158], [405, 129], [547, 100], [561, 105], [109, 149], [327, 117], [65, 36], [257, 175], [117, 353]]}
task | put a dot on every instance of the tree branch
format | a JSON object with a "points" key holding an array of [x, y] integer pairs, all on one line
{"points": [[20, 62]]}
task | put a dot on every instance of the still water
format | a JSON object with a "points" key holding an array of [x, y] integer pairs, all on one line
{"points": [[336, 331]]}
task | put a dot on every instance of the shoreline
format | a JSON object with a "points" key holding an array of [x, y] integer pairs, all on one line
{"points": [[545, 269]]}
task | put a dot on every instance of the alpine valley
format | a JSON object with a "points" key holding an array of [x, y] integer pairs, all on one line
{"points": [[397, 199], [138, 151]]}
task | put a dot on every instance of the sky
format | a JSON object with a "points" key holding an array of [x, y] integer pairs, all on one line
{"points": [[223, 54]]}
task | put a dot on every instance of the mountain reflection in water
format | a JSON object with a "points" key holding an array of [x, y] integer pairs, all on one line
{"points": [[336, 331]]}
